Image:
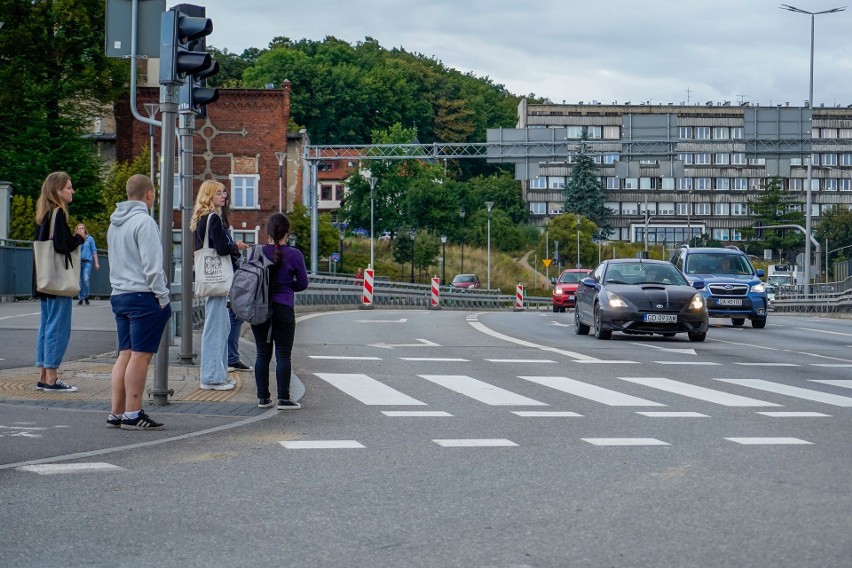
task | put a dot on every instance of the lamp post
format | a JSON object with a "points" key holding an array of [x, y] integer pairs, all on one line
{"points": [[291, 240], [342, 236], [280, 156], [443, 259], [578, 241], [488, 206], [372, 180], [808, 196], [461, 215], [547, 249], [151, 109], [413, 235]]}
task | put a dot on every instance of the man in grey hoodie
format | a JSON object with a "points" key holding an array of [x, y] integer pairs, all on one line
{"points": [[140, 301]]}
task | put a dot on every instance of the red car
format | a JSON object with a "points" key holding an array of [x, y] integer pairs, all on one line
{"points": [[565, 287], [466, 281]]}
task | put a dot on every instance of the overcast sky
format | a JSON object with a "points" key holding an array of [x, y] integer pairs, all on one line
{"points": [[606, 50]]}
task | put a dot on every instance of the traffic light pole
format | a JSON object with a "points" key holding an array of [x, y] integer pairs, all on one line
{"points": [[186, 130], [168, 108]]}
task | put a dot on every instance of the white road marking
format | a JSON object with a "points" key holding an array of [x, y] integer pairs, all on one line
{"points": [[591, 392], [367, 390], [694, 391], [740, 344], [846, 383], [400, 320], [546, 414], [481, 391], [481, 328], [818, 356], [795, 414], [767, 364], [520, 361], [20, 316], [687, 351], [603, 361], [625, 442], [476, 443], [344, 358], [788, 390], [833, 365], [437, 359], [767, 441], [826, 331], [416, 413], [697, 363], [320, 444], [673, 414], [423, 343], [62, 468]]}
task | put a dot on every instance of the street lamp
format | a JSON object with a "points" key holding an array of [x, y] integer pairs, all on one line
{"points": [[547, 249], [578, 240], [342, 236], [808, 199], [151, 109], [280, 156], [488, 206], [443, 259], [291, 240], [413, 234], [372, 180], [461, 215]]}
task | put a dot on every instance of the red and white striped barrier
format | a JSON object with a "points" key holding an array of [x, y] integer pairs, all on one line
{"points": [[436, 294], [367, 299], [519, 298]]}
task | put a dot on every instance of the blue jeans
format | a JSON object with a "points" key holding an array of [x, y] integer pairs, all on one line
{"points": [[234, 337], [54, 332], [214, 341], [85, 278], [283, 324]]}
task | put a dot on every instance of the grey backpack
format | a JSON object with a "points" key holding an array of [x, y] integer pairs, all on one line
{"points": [[251, 298]]}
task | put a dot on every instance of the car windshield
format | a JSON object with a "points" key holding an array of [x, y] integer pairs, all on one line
{"points": [[464, 278], [641, 273], [713, 263], [572, 277]]}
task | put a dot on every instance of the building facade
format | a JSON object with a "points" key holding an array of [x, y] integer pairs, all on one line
{"points": [[683, 170]]}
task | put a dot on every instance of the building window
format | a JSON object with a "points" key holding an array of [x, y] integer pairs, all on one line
{"points": [[612, 132], [829, 159], [736, 235], [683, 208], [613, 206], [666, 208], [756, 184], [595, 132], [845, 184], [814, 184], [722, 234], [613, 183], [324, 167], [631, 183], [739, 209], [703, 184], [244, 192], [556, 182], [831, 184], [722, 159], [757, 161], [739, 159], [795, 161], [828, 133], [796, 184], [248, 237], [737, 133], [702, 208], [846, 159], [739, 184], [629, 209], [702, 132], [684, 132], [573, 131], [722, 184], [721, 208], [647, 183], [538, 208], [668, 184], [686, 158], [538, 183], [721, 133], [683, 184], [610, 159], [326, 192], [702, 159]]}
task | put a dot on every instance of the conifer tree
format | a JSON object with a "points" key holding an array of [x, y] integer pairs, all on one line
{"points": [[584, 193]]}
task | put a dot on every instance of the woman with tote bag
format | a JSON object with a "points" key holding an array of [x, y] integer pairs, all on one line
{"points": [[54, 328], [210, 233]]}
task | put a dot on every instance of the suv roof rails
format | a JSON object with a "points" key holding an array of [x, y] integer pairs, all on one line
{"points": [[733, 247]]}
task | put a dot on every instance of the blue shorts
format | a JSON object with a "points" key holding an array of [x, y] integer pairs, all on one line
{"points": [[139, 321]]}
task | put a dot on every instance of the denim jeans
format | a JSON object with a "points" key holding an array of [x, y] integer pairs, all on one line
{"points": [[54, 332], [85, 279], [214, 341], [234, 337], [283, 324]]}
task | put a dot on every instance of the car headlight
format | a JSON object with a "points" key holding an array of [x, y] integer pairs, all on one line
{"points": [[557, 290], [614, 301], [697, 302], [759, 288]]}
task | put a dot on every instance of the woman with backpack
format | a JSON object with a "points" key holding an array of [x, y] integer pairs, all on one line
{"points": [[288, 276]]}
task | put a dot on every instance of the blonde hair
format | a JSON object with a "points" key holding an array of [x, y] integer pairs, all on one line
{"points": [[204, 202], [49, 198], [81, 225]]}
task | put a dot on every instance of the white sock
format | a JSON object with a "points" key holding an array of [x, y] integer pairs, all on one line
{"points": [[132, 415]]}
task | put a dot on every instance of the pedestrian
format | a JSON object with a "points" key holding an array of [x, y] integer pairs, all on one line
{"points": [[54, 329], [88, 258], [217, 326], [288, 276], [234, 362], [359, 276], [139, 300]]}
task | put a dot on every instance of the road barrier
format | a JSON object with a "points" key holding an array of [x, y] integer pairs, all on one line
{"points": [[436, 294], [367, 294]]}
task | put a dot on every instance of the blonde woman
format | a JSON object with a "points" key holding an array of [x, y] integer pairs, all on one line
{"points": [[54, 329], [88, 257], [217, 324]]}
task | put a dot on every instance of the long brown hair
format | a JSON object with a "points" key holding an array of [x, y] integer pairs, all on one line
{"points": [[277, 229], [204, 201], [49, 198]]}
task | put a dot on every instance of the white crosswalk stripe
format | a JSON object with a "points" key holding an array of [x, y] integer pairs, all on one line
{"points": [[482, 391], [368, 390], [695, 391], [789, 390], [591, 392], [845, 383]]}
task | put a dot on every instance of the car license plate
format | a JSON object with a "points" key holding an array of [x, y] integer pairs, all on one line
{"points": [[730, 301], [570, 297], [661, 318]]}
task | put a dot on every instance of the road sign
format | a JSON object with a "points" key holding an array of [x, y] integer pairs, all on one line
{"points": [[335, 257], [546, 262]]}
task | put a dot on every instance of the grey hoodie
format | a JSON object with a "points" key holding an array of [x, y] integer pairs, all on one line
{"points": [[135, 252]]}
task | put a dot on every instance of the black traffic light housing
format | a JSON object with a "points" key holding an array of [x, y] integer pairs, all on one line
{"points": [[183, 56]]}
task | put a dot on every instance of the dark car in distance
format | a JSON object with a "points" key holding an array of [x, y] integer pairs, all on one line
{"points": [[640, 296], [465, 281], [565, 287]]}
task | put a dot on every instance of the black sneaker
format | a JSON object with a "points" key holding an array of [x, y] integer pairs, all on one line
{"points": [[80, 302], [113, 421], [264, 403], [39, 386], [238, 366], [58, 386], [286, 404], [141, 422], [87, 301]]}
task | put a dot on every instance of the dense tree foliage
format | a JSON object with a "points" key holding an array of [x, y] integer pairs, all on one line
{"points": [[835, 227], [775, 206], [584, 192], [54, 80]]}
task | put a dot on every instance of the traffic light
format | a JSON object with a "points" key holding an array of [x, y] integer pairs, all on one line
{"points": [[178, 31]]}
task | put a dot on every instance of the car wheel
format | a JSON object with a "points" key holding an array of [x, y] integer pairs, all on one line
{"points": [[555, 309], [758, 323], [600, 333], [697, 337], [738, 322], [579, 327]]}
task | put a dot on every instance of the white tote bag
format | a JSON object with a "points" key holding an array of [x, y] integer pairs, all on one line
{"points": [[56, 274], [213, 273]]}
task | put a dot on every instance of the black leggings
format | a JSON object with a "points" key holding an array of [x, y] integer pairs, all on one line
{"points": [[283, 324]]}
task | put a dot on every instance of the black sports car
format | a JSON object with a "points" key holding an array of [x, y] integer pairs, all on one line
{"points": [[640, 296]]}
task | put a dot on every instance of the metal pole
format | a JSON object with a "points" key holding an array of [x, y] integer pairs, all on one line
{"points": [[280, 156], [489, 205], [462, 214], [547, 250], [151, 109], [187, 129], [578, 241], [413, 236], [372, 181], [314, 220], [444, 259]]}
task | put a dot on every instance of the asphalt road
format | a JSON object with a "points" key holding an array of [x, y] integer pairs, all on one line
{"points": [[443, 438]]}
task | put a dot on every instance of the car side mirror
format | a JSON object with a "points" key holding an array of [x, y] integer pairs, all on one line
{"points": [[760, 273], [698, 284], [589, 282], [553, 281]]}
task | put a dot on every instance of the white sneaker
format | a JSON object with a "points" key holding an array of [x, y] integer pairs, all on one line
{"points": [[218, 387]]}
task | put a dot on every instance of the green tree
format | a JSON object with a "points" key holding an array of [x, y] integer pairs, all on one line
{"points": [[584, 192], [775, 206], [22, 224], [563, 228], [835, 227]]}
